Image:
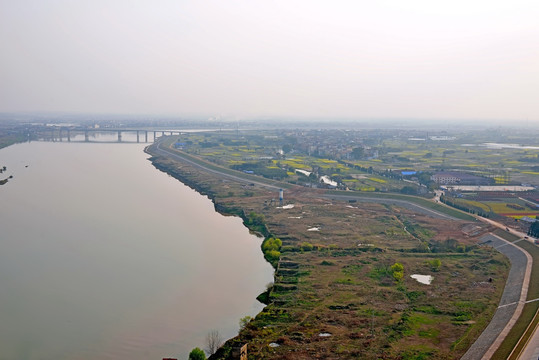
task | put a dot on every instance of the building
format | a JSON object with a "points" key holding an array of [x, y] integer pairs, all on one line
{"points": [[455, 177]]}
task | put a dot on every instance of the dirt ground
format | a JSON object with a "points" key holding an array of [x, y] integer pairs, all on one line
{"points": [[338, 293]]}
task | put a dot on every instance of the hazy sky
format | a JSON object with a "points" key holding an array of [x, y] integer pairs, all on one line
{"points": [[424, 59]]}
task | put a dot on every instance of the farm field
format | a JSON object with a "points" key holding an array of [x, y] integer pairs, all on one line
{"points": [[361, 159], [343, 286], [369, 162]]}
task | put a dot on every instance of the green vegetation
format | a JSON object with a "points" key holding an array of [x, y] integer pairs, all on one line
{"points": [[197, 354], [244, 321], [271, 248], [348, 279], [526, 323], [534, 229], [435, 264], [256, 222], [397, 271]]}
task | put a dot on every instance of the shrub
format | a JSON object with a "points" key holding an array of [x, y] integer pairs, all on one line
{"points": [[255, 219], [197, 354], [397, 271], [272, 255], [305, 246], [271, 244], [435, 264], [244, 321], [271, 248]]}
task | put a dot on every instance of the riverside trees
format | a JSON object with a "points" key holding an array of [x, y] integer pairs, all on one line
{"points": [[197, 354]]}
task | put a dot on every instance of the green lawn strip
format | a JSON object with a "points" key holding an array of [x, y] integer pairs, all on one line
{"points": [[516, 333], [472, 333], [528, 313], [533, 290], [413, 199], [507, 236], [224, 170], [299, 314]]}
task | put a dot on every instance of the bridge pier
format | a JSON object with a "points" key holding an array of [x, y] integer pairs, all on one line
{"points": [[72, 134]]}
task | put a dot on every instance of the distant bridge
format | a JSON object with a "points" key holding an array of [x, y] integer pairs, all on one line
{"points": [[70, 134]]}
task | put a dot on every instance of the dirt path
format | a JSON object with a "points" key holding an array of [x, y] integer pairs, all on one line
{"points": [[516, 288]]}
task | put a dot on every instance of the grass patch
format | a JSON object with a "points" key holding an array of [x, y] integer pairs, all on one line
{"points": [[517, 332], [412, 199], [528, 313]]}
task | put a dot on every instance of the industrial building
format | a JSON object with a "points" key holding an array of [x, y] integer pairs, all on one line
{"points": [[454, 177]]}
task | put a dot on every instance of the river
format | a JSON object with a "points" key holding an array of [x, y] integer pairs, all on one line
{"points": [[104, 257]]}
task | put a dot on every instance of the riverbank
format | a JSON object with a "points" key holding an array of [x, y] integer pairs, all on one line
{"points": [[334, 294]]}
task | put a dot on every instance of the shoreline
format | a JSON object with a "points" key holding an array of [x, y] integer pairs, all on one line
{"points": [[223, 210], [203, 188]]}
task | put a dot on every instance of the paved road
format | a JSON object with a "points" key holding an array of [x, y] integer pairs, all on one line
{"points": [[515, 290], [511, 303], [169, 153], [403, 203], [520, 234]]}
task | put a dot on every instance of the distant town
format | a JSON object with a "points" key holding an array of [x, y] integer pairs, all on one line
{"points": [[393, 240]]}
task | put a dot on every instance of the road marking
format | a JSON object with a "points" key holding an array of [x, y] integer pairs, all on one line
{"points": [[505, 244], [520, 304], [513, 303]]}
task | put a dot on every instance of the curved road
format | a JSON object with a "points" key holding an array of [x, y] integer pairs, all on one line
{"points": [[516, 288], [512, 301], [403, 203], [169, 153]]}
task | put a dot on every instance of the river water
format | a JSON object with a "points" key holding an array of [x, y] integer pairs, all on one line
{"points": [[104, 257]]}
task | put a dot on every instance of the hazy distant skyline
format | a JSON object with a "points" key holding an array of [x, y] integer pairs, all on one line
{"points": [[394, 59]]}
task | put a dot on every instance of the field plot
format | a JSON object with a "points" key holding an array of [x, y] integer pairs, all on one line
{"points": [[511, 206], [343, 285]]}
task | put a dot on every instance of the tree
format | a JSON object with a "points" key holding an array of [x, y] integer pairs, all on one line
{"points": [[397, 271], [287, 148], [197, 354], [358, 153], [271, 244], [534, 229], [255, 219], [424, 178], [213, 341], [409, 190]]}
